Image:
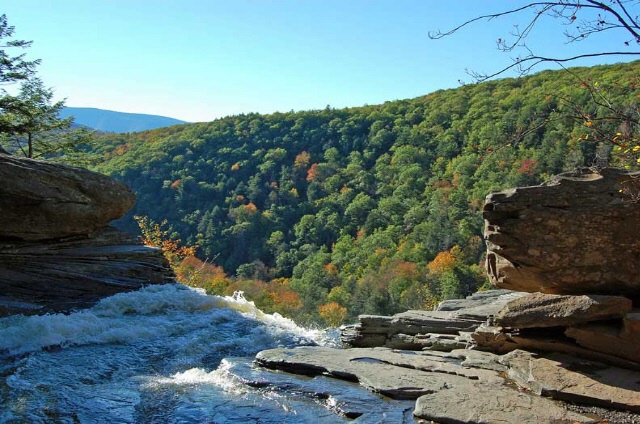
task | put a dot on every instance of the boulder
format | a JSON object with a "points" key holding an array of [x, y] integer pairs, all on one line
{"points": [[575, 234], [42, 200], [550, 310], [56, 251], [72, 273]]}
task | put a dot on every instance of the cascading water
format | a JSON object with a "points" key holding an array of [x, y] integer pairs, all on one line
{"points": [[169, 354]]}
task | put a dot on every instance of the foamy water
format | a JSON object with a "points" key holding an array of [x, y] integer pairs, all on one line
{"points": [[167, 354]]}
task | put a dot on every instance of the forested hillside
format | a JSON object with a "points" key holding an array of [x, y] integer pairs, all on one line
{"points": [[376, 209]]}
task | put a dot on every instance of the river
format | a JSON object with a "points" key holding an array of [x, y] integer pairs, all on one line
{"points": [[170, 354]]}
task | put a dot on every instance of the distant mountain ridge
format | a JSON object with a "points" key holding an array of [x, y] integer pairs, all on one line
{"points": [[117, 122]]}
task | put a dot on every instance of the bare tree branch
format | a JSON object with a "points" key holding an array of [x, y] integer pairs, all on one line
{"points": [[566, 10], [526, 64]]}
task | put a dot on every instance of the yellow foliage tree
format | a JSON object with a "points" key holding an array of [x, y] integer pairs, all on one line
{"points": [[444, 261], [332, 313], [157, 235]]}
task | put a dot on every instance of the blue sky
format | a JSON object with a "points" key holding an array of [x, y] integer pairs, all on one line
{"points": [[198, 60]]}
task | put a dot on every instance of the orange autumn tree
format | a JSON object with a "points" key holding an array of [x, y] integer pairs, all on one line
{"points": [[157, 235], [285, 301], [196, 273], [443, 262], [332, 313]]}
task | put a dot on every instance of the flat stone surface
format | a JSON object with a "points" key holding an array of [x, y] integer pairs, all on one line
{"points": [[576, 380], [478, 359], [491, 404], [446, 391], [397, 374], [480, 306], [548, 310]]}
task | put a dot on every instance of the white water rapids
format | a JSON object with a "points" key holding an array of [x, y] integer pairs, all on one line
{"points": [[169, 354]]}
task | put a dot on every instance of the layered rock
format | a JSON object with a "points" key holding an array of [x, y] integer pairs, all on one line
{"points": [[575, 240], [463, 386], [44, 201], [56, 252], [610, 338], [62, 275], [576, 234], [548, 310], [602, 328], [575, 380], [446, 328]]}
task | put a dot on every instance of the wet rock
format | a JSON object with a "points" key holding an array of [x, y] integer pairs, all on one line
{"points": [[575, 234], [75, 272], [42, 200], [548, 310], [446, 391], [575, 380], [397, 374]]}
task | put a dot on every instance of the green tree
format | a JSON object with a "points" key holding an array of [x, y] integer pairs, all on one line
{"points": [[37, 131], [29, 121], [609, 120], [13, 68]]}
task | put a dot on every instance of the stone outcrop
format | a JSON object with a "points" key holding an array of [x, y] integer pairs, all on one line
{"points": [[504, 384], [56, 251], [571, 251], [447, 327], [446, 389], [549, 310], [44, 201], [75, 273], [575, 234]]}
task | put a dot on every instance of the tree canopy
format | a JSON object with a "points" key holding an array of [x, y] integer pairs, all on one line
{"points": [[374, 209]]}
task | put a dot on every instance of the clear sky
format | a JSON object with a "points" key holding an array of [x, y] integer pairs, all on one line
{"points": [[198, 60]]}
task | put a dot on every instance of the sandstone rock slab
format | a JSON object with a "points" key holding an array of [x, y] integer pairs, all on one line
{"points": [[42, 200], [572, 235], [76, 272], [549, 310], [494, 404], [496, 339], [439, 384], [576, 380], [396, 374], [609, 338]]}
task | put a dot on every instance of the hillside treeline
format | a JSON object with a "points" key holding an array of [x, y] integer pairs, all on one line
{"points": [[376, 209]]}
